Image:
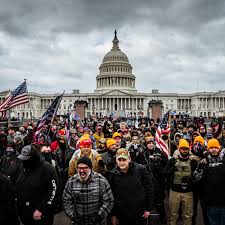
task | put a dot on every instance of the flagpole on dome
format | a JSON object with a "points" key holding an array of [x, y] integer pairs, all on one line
{"points": [[29, 104]]}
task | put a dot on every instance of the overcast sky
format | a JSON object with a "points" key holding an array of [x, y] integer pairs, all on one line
{"points": [[173, 45]]}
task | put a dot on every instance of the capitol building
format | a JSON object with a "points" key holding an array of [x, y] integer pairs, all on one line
{"points": [[116, 93]]}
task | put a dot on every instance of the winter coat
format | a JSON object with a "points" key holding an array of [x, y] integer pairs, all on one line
{"points": [[88, 203], [132, 191], [36, 189], [11, 167], [8, 215], [155, 161], [210, 177]]}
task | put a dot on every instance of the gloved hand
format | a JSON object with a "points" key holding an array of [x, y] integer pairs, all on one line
{"points": [[186, 179]]}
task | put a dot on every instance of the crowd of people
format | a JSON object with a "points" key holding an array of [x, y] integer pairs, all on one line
{"points": [[112, 172]]}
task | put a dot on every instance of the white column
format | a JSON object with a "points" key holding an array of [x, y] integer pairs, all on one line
{"points": [[106, 103], [121, 103]]}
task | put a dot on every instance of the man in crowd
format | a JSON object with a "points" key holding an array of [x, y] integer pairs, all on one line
{"points": [[132, 189], [87, 197], [36, 186], [8, 214], [155, 161], [210, 174], [179, 171], [109, 157], [85, 149]]}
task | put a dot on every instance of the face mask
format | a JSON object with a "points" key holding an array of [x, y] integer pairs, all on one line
{"points": [[62, 145], [135, 146], [47, 156], [10, 152], [27, 164]]}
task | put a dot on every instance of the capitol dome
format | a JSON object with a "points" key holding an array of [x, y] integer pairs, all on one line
{"points": [[115, 72], [115, 54]]}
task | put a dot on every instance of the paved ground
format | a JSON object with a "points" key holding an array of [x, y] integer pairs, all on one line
{"points": [[61, 219]]}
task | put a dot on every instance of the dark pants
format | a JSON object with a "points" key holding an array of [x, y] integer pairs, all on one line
{"points": [[204, 213], [160, 209], [216, 215]]}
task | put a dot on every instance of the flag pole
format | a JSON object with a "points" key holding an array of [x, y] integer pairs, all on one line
{"points": [[29, 104], [57, 108], [169, 139], [48, 130]]}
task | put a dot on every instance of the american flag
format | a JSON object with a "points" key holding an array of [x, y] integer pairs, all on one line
{"points": [[17, 97], [48, 116], [164, 126], [4, 103]]}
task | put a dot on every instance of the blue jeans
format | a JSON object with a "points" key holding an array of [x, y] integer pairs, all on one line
{"points": [[216, 215]]}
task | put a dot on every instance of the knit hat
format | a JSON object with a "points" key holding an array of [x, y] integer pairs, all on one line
{"points": [[183, 144], [110, 142], [199, 139], [85, 140], [213, 143], [116, 134], [85, 160]]}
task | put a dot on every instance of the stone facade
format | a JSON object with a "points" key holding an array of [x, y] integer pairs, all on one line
{"points": [[115, 92]]}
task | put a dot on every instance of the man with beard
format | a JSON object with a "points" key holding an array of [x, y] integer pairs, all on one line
{"points": [[102, 146], [132, 189], [210, 174], [179, 173], [109, 157], [87, 196], [36, 187]]}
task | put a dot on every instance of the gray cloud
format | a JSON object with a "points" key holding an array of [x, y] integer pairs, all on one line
{"points": [[60, 44]]}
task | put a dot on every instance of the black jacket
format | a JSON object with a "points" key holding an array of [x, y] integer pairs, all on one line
{"points": [[8, 215], [36, 189], [133, 191], [212, 184], [11, 167], [155, 161]]}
